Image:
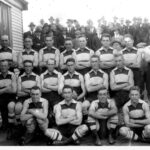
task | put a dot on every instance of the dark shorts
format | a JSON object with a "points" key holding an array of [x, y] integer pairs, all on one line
{"points": [[22, 99], [67, 130], [121, 97], [138, 131], [53, 98], [91, 96]]}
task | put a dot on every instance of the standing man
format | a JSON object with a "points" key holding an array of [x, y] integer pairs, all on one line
{"points": [[30, 33], [28, 54], [132, 59], [106, 54], [68, 117], [6, 53], [103, 110], [35, 111], [82, 56], [48, 52], [136, 117], [68, 53]]}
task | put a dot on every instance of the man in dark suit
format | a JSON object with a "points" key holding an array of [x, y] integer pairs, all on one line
{"points": [[37, 40], [30, 32], [70, 29]]}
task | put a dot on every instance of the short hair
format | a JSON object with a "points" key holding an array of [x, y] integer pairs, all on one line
{"points": [[128, 36], [102, 88], [70, 60], [135, 88], [28, 37], [36, 88], [2, 61], [28, 61], [106, 35], [49, 36], [67, 87], [95, 56], [68, 39], [49, 60], [82, 36]]}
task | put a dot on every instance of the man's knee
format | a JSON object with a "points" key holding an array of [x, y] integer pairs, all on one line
{"points": [[43, 124], [18, 108], [30, 125], [85, 105], [11, 107], [123, 131], [81, 130], [146, 131]]}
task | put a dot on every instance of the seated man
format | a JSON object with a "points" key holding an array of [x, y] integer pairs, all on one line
{"points": [[74, 79], [50, 81], [100, 111], [121, 80], [68, 115], [8, 88], [35, 111], [94, 80], [136, 117], [24, 85]]}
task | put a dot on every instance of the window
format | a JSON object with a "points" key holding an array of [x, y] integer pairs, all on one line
{"points": [[5, 21]]}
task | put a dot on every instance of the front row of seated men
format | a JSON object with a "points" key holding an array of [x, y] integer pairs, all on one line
{"points": [[68, 115]]}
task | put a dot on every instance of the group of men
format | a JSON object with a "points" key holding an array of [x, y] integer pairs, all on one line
{"points": [[83, 90]]}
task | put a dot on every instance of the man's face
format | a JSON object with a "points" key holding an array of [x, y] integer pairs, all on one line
{"points": [[50, 65], [95, 63], [119, 61], [77, 34], [4, 66], [28, 67], [71, 66], [128, 42], [49, 41], [68, 44], [82, 42], [32, 27], [102, 95], [116, 46], [67, 93], [35, 95], [106, 41], [134, 96], [28, 43], [4, 41]]}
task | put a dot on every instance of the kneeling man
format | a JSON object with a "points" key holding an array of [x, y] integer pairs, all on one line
{"points": [[100, 111], [136, 117]]}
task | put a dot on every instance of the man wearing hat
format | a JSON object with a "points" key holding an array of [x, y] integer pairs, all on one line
{"points": [[70, 29], [37, 40], [31, 31]]}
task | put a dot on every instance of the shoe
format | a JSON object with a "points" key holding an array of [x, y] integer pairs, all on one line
{"points": [[26, 138], [9, 134], [98, 142], [77, 142], [21, 142], [59, 143], [111, 140]]}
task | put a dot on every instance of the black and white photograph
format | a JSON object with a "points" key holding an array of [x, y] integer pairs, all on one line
{"points": [[75, 73]]}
